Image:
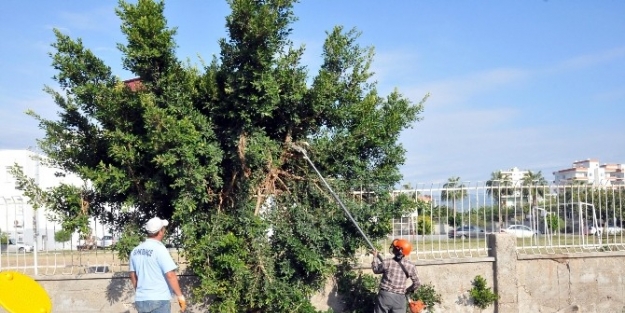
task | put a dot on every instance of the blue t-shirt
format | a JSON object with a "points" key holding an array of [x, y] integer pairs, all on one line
{"points": [[150, 261]]}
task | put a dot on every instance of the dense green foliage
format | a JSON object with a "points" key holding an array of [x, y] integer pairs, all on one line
{"points": [[358, 290], [482, 295], [210, 149]]}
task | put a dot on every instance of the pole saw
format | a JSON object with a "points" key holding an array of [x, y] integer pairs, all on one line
{"points": [[338, 200]]}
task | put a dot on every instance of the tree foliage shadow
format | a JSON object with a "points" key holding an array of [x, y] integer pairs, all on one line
{"points": [[119, 288]]}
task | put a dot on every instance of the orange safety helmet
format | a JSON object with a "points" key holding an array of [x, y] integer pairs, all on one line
{"points": [[401, 245]]}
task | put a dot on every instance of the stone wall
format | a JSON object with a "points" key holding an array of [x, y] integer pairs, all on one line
{"points": [[583, 282], [572, 283]]}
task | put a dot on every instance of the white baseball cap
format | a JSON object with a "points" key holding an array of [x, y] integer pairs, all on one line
{"points": [[155, 224]]}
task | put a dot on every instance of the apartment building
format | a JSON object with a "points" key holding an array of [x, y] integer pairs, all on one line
{"points": [[593, 173], [515, 175], [18, 219], [615, 174]]}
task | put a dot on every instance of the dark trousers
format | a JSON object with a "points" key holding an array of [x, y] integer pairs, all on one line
{"points": [[389, 302]]}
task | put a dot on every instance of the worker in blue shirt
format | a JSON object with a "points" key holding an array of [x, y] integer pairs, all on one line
{"points": [[152, 272]]}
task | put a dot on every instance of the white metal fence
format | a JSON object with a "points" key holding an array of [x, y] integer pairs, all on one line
{"points": [[68, 262], [561, 219], [451, 221]]}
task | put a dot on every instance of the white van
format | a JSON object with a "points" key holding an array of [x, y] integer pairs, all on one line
{"points": [[13, 246]]}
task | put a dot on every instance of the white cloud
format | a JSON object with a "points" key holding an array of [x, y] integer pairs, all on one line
{"points": [[395, 66], [19, 129], [458, 137], [97, 19], [589, 60], [611, 95], [458, 90], [458, 144]]}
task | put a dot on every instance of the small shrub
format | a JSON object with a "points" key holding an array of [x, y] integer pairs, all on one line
{"points": [[424, 225], [358, 290], [554, 223], [428, 295], [62, 235], [482, 296]]}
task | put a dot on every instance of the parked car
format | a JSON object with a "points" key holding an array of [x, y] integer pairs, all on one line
{"points": [[13, 246], [172, 242], [467, 231], [106, 242], [609, 229], [91, 243], [520, 231]]}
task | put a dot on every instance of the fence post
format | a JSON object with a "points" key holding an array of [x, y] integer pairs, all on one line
{"points": [[503, 249]]}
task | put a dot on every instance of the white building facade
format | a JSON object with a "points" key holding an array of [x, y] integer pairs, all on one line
{"points": [[18, 219], [590, 171], [515, 176]]}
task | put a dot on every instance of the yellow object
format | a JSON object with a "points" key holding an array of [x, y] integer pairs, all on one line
{"points": [[22, 294]]}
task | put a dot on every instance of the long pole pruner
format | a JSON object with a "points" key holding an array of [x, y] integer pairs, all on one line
{"points": [[338, 200]]}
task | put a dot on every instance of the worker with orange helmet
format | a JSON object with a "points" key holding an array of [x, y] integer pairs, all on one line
{"points": [[392, 294]]}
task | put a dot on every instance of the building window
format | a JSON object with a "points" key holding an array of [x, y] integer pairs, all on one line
{"points": [[7, 175]]}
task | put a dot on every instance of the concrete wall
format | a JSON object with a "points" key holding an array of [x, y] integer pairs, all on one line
{"points": [[584, 282]]}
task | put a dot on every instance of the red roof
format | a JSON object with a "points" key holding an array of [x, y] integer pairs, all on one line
{"points": [[133, 83]]}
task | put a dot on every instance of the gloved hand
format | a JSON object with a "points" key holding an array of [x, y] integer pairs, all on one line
{"points": [[183, 303], [411, 289]]}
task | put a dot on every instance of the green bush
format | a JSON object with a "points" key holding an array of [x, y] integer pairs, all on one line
{"points": [[358, 290], [4, 239], [428, 295], [62, 235], [482, 296], [554, 222], [424, 225]]}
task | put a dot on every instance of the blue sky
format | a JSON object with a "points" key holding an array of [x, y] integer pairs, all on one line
{"points": [[533, 84]]}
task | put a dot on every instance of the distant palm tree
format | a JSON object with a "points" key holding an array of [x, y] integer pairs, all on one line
{"points": [[534, 186], [500, 185], [453, 190]]}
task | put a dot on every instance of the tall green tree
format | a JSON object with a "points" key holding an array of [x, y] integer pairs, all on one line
{"points": [[453, 190], [534, 187], [211, 149]]}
